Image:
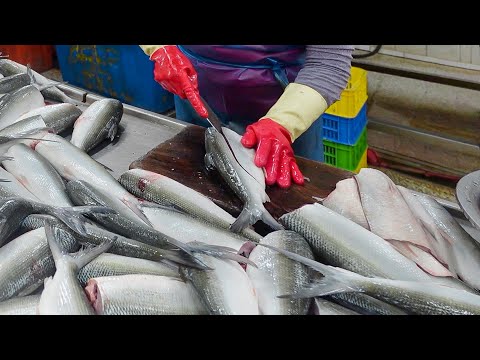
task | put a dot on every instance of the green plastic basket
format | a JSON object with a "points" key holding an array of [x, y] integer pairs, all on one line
{"points": [[345, 156]]}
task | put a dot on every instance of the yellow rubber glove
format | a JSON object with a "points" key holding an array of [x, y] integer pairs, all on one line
{"points": [[150, 49], [297, 109]]}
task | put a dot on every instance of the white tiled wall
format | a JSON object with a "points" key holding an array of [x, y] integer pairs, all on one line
{"points": [[466, 56]]}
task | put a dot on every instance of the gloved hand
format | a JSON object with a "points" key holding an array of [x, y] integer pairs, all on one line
{"points": [[274, 152], [293, 113], [174, 71]]}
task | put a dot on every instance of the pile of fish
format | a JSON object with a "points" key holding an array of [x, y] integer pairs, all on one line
{"points": [[75, 240]]}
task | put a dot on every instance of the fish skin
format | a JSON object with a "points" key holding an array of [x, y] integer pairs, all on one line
{"points": [[143, 295], [277, 275], [165, 191], [325, 307], [25, 305], [225, 290], [116, 265], [26, 261], [59, 117], [19, 102], [13, 82], [97, 123], [247, 187], [13, 188], [34, 172]]}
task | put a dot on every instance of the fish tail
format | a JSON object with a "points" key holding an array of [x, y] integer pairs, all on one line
{"points": [[136, 208], [73, 216], [80, 258], [220, 252], [244, 220], [268, 219]]}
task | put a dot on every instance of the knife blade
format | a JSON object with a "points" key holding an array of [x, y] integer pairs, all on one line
{"points": [[212, 117]]}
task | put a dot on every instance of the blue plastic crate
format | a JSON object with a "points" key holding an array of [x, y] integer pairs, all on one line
{"points": [[122, 72], [344, 130]]}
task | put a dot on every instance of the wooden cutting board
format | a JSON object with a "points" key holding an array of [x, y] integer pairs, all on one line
{"points": [[181, 159]]}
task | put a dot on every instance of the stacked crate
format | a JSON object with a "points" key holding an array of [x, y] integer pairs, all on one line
{"points": [[345, 126]]}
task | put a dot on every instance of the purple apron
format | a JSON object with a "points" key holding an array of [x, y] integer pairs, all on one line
{"points": [[242, 82]]}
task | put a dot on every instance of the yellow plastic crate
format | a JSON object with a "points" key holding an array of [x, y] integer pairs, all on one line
{"points": [[362, 163], [353, 97]]}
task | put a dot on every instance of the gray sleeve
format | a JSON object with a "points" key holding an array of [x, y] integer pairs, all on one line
{"points": [[326, 69]]}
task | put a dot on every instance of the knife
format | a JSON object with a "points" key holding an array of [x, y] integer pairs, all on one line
{"points": [[212, 117]]}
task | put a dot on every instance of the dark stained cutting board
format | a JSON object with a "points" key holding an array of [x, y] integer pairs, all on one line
{"points": [[181, 159]]}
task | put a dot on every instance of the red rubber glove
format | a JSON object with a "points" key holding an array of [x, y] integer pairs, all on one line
{"points": [[176, 74], [274, 152]]}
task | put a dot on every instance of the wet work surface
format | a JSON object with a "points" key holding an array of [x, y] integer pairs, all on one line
{"points": [[181, 159]]}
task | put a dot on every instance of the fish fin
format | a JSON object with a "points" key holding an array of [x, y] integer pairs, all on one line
{"points": [[180, 258], [220, 252], [136, 208], [105, 166], [244, 220], [112, 132], [5, 158], [166, 206], [73, 216], [84, 256], [57, 251], [268, 219], [4, 181]]}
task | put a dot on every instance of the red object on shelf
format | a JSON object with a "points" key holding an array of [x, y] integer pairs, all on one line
{"points": [[40, 57]]}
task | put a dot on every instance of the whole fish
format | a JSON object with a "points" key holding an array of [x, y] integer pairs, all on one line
{"points": [[325, 307], [13, 188], [63, 294], [14, 210], [9, 67], [116, 265], [416, 297], [97, 123], [27, 260], [225, 290], [75, 164], [188, 229], [452, 243], [19, 102], [34, 172], [242, 176], [13, 82], [143, 295], [340, 242], [277, 275], [165, 191], [96, 235], [26, 305], [59, 117]]}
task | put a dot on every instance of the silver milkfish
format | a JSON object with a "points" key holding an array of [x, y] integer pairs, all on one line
{"points": [[75, 164], [97, 123], [143, 295], [165, 191], [26, 261], [416, 297], [225, 290], [242, 176], [278, 275], [115, 265], [25, 305], [58, 117], [96, 235], [19, 102], [34, 172], [340, 242], [14, 82], [63, 294], [9, 67], [13, 188]]}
